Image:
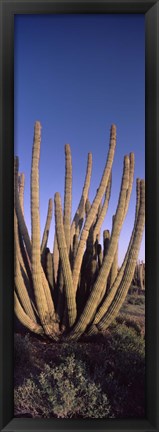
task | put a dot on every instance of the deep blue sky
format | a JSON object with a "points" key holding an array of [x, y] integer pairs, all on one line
{"points": [[78, 74]]}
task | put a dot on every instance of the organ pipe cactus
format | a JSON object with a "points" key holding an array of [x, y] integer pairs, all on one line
{"points": [[77, 288]]}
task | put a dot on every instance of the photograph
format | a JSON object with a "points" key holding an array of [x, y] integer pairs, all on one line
{"points": [[79, 216]]}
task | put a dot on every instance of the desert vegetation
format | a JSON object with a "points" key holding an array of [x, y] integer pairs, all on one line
{"points": [[101, 376], [79, 350], [76, 289]]}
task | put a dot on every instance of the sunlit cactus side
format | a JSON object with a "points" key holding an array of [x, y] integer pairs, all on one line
{"points": [[77, 288]]}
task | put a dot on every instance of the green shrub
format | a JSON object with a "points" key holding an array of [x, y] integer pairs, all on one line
{"points": [[83, 376], [129, 322], [64, 391], [124, 372], [136, 300]]}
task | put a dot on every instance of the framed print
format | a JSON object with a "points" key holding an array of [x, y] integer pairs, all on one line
{"points": [[79, 285]]}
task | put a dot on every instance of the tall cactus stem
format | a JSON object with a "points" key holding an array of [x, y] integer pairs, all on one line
{"points": [[95, 296], [21, 190], [46, 229], [67, 195], [94, 207], [80, 213], [63, 252], [130, 266], [38, 279]]}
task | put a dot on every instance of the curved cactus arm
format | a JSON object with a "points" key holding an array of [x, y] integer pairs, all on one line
{"points": [[95, 296], [121, 293], [21, 190], [74, 249], [24, 318], [63, 252], [47, 228], [104, 307], [103, 212], [67, 195], [39, 281], [21, 221], [22, 229], [79, 215], [22, 288], [114, 268], [131, 178], [21, 250], [92, 213], [25, 236]]}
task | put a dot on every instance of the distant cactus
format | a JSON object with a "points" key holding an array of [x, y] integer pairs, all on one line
{"points": [[77, 288], [138, 281]]}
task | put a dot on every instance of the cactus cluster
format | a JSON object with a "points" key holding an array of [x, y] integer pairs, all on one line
{"points": [[78, 287]]}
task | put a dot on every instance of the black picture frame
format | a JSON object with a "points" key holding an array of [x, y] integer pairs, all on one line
{"points": [[150, 8]]}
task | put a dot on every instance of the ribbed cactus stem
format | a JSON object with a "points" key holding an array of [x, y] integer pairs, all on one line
{"points": [[121, 293], [25, 236], [24, 318], [114, 268], [104, 307], [60, 294], [66, 270], [21, 222], [21, 281], [98, 288], [94, 207], [47, 228], [19, 246], [75, 247], [55, 258], [49, 269], [103, 211], [79, 215], [21, 190], [88, 298], [67, 195], [131, 178], [38, 279]]}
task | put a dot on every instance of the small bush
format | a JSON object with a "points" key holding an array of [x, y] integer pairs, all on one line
{"points": [[136, 300], [64, 391], [129, 322], [100, 379], [124, 372]]}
